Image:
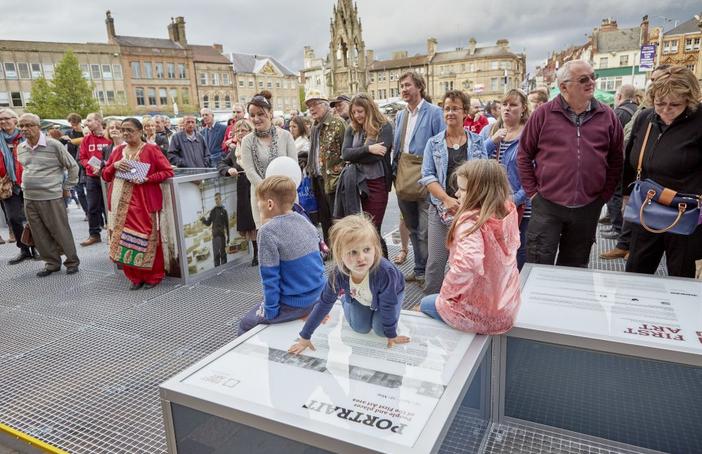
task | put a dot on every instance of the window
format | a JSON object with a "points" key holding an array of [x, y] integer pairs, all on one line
{"points": [[225, 79], [205, 102], [23, 69], [2, 73], [140, 97], [171, 70], [159, 70], [27, 95], [85, 71], [151, 94], [670, 46], [148, 70], [216, 101], [117, 71], [623, 60], [185, 95], [692, 44], [241, 83], [95, 72], [494, 65], [106, 72], [472, 67], [373, 94], [121, 97], [691, 67], [260, 84], [16, 99], [181, 71], [110, 96], [136, 70], [162, 96], [277, 84], [215, 78], [36, 70], [494, 81], [227, 102], [4, 99], [372, 77], [203, 78], [251, 84], [173, 95], [604, 62], [11, 70], [100, 96], [48, 70], [269, 84]]}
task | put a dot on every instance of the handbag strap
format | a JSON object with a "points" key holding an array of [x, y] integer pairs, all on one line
{"points": [[643, 150]]}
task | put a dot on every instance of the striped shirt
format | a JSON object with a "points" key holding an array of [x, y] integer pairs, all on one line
{"points": [[504, 145]]}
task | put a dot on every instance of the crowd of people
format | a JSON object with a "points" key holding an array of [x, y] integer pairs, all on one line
{"points": [[480, 192]]}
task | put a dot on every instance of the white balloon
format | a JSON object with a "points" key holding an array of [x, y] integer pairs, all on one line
{"points": [[286, 167]]}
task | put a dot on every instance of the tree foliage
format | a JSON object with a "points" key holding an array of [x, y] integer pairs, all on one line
{"points": [[67, 92]]}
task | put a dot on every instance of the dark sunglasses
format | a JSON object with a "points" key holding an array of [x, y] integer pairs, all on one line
{"points": [[582, 80]]}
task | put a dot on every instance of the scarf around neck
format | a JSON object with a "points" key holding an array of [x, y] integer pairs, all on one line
{"points": [[7, 155]]}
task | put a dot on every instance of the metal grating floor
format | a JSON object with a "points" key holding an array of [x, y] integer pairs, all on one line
{"points": [[82, 356]]}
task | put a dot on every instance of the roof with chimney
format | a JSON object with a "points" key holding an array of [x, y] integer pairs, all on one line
{"points": [[405, 62], [138, 41], [685, 28], [619, 40], [208, 54], [254, 64], [464, 54]]}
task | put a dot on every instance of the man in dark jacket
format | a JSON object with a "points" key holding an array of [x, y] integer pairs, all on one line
{"points": [[218, 218], [213, 133], [570, 161]]}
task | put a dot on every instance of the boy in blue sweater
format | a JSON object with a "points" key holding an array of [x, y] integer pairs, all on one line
{"points": [[292, 271]]}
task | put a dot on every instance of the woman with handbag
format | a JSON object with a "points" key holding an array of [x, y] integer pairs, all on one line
{"points": [[444, 153], [135, 202], [665, 157], [230, 166], [368, 145]]}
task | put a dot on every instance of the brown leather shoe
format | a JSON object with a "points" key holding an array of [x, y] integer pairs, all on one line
{"points": [[614, 253], [92, 239]]}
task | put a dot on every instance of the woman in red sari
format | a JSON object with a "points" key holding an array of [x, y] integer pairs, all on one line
{"points": [[135, 170]]}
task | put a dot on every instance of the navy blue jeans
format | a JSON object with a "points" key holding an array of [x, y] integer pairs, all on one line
{"points": [[362, 318], [285, 314], [428, 306]]}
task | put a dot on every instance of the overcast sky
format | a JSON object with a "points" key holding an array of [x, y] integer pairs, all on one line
{"points": [[282, 29]]}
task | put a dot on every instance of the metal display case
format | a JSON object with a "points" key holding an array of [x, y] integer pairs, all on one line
{"points": [[352, 394]]}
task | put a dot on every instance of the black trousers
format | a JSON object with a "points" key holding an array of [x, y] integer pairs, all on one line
{"points": [[681, 251], [614, 209], [96, 205], [14, 211], [555, 229], [325, 205]]}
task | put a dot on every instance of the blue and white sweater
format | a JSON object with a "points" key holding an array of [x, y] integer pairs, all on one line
{"points": [[292, 271]]}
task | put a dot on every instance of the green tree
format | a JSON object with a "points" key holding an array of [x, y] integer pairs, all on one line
{"points": [[72, 93], [42, 101]]}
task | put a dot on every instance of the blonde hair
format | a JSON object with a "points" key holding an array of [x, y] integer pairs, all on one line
{"points": [[676, 81], [108, 136], [487, 191], [280, 189], [374, 118], [513, 94], [350, 231]]}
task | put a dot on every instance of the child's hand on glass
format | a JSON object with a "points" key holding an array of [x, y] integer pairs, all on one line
{"points": [[300, 346], [398, 340]]}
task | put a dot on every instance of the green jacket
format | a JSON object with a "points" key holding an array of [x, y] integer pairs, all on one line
{"points": [[325, 150]]}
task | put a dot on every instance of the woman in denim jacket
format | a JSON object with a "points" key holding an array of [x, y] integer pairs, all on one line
{"points": [[502, 143], [444, 153]]}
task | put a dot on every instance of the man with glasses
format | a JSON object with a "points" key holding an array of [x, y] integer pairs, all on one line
{"points": [[92, 158], [570, 160], [10, 169], [45, 184], [324, 164]]}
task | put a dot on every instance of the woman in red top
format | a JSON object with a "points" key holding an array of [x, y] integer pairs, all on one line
{"points": [[134, 203]]}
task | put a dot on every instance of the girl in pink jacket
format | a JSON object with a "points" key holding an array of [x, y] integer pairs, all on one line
{"points": [[480, 293]]}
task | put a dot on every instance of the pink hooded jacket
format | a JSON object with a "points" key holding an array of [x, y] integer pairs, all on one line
{"points": [[480, 293]]}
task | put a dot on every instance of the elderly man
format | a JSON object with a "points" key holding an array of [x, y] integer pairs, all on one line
{"points": [[324, 164], [414, 126], [213, 133], [341, 105], [45, 185], [10, 169], [570, 161], [188, 148], [92, 157]]}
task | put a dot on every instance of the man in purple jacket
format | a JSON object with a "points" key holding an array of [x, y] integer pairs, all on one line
{"points": [[570, 160]]}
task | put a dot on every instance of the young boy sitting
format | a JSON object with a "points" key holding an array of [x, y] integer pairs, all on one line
{"points": [[292, 271]]}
